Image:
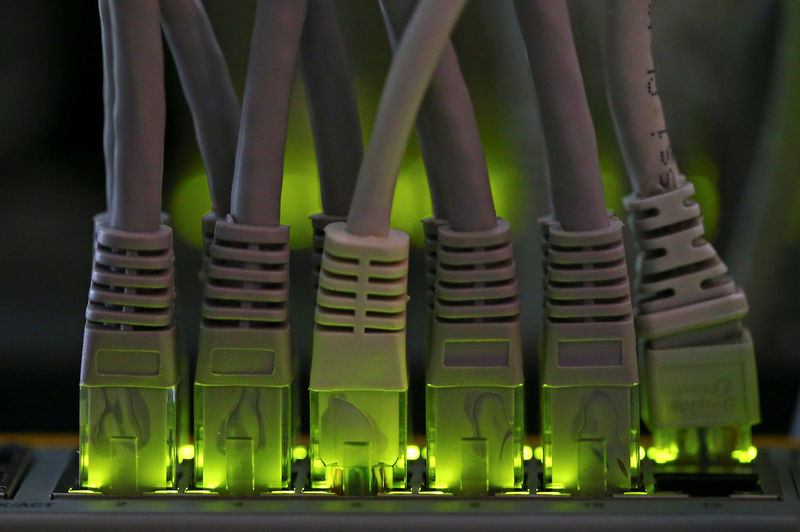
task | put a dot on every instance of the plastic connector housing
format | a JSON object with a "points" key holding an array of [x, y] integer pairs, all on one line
{"points": [[243, 407], [359, 383], [129, 367], [475, 396], [590, 402], [700, 391], [319, 222]]}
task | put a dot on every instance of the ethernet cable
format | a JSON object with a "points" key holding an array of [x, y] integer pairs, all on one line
{"points": [[129, 366], [589, 399], [207, 85], [475, 418], [334, 117], [359, 383], [243, 407], [108, 97], [700, 396]]}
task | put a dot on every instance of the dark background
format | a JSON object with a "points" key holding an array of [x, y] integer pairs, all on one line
{"points": [[729, 77]]}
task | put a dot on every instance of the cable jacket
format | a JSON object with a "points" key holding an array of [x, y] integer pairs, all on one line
{"points": [[258, 175], [449, 137], [575, 179], [209, 92], [332, 106], [412, 68], [633, 97], [108, 96], [138, 115]]}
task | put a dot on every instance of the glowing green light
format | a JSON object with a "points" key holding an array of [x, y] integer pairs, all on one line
{"points": [[412, 452], [703, 172], [299, 453], [114, 458], [538, 452], [424, 453], [358, 440], [642, 453], [250, 453], [465, 461], [745, 456], [527, 452], [190, 200], [612, 183], [185, 452], [663, 455]]}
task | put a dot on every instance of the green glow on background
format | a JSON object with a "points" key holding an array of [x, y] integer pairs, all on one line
{"points": [[613, 185], [189, 201], [527, 452], [703, 172], [185, 452], [412, 452], [299, 453]]}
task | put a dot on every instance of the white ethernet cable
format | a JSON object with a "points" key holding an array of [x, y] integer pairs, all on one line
{"points": [[589, 401], [700, 395], [129, 367], [474, 398], [243, 384], [359, 383]]}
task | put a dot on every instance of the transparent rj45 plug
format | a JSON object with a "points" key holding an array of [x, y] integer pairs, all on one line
{"points": [[474, 395], [359, 384], [590, 388], [130, 370], [243, 385]]}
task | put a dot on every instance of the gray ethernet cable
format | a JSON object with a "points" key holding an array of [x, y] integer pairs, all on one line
{"points": [[589, 401], [475, 397], [243, 409], [129, 367], [207, 85], [359, 383], [334, 117], [700, 391]]}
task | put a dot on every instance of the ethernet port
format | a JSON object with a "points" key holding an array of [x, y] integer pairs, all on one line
{"points": [[707, 484]]}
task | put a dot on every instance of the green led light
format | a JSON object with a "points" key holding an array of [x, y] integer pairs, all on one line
{"points": [[746, 456], [720, 445], [299, 453], [527, 452], [538, 453], [127, 438], [185, 452], [242, 437], [663, 455], [358, 441], [412, 452], [642, 453]]}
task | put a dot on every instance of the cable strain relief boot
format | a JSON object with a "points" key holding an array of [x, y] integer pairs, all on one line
{"points": [[590, 406], [430, 228], [358, 387], [244, 371], [698, 364], [207, 225], [129, 365], [319, 222], [475, 378]]}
